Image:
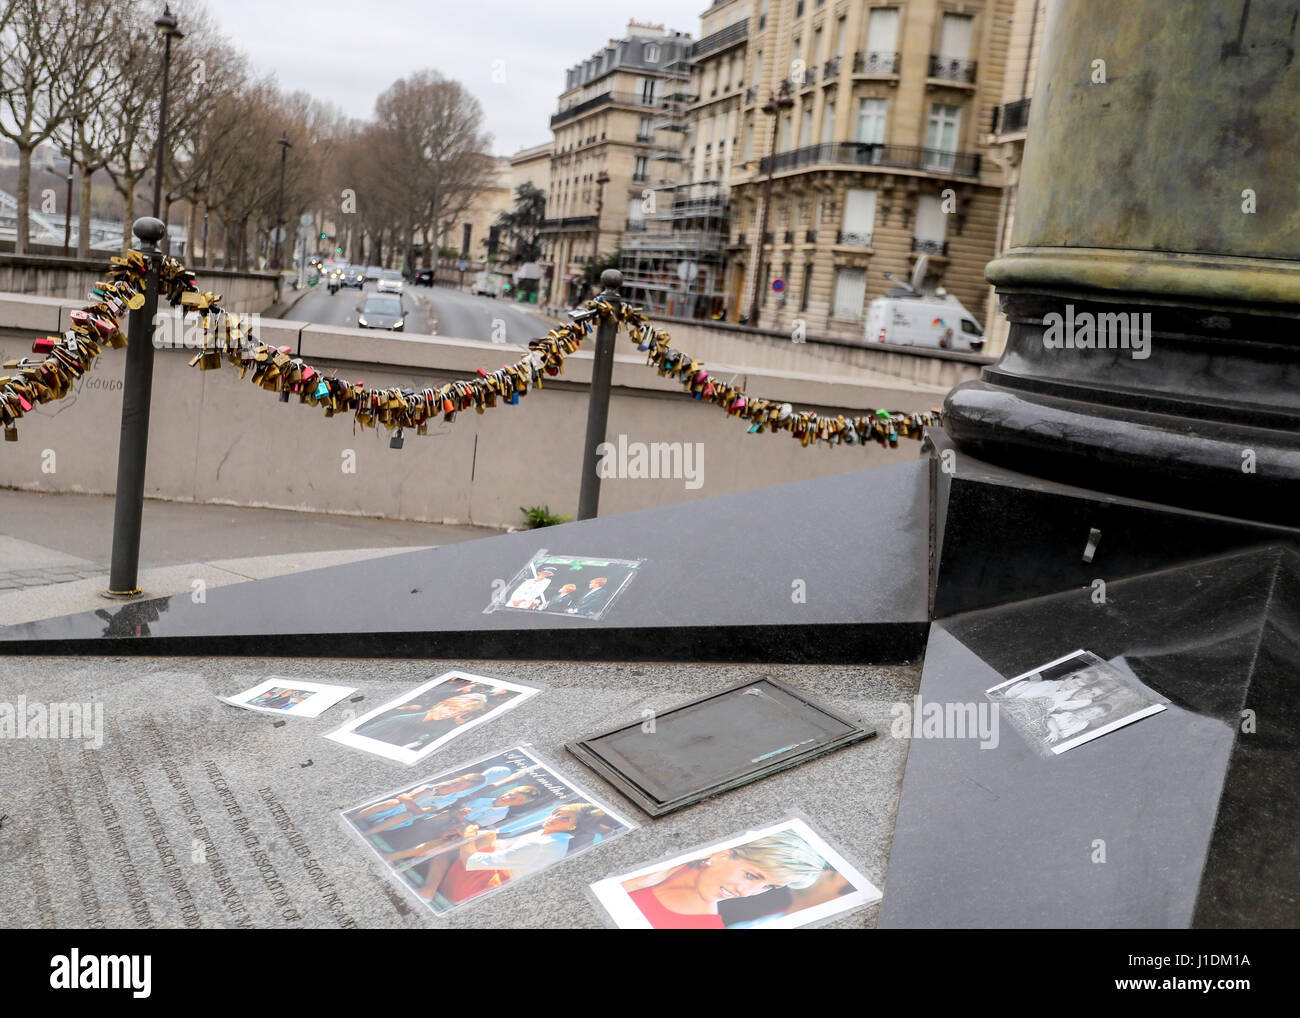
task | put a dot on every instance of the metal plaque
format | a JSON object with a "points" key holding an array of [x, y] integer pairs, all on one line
{"points": [[714, 744]]}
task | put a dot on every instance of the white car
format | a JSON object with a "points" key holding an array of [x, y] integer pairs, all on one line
{"points": [[390, 281]]}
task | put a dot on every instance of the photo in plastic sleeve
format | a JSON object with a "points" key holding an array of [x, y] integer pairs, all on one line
{"points": [[469, 831], [569, 585], [424, 720], [778, 878], [298, 698], [1072, 700]]}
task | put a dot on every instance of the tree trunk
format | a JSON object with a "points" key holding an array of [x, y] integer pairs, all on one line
{"points": [[83, 217], [128, 214], [24, 197]]}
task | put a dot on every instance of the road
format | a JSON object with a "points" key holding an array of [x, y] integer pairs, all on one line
{"points": [[430, 311]]}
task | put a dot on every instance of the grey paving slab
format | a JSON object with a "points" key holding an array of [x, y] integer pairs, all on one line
{"points": [[169, 820]]}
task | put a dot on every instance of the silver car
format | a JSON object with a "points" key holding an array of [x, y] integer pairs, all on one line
{"points": [[390, 281]]}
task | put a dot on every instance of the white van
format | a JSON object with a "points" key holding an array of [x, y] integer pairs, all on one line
{"points": [[938, 322]]}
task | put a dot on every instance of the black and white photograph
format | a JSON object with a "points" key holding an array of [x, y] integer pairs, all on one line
{"points": [[410, 727], [570, 585], [1072, 700]]}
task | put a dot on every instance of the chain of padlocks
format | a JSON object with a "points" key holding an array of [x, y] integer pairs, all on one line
{"points": [[65, 358]]}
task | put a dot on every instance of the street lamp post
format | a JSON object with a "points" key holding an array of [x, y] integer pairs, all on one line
{"points": [[285, 145], [602, 178], [780, 100], [166, 24]]}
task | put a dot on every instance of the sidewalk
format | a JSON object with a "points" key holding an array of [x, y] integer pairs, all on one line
{"points": [[55, 549]]}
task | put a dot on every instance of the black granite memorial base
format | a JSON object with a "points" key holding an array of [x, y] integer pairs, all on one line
{"points": [[1186, 818], [832, 569]]}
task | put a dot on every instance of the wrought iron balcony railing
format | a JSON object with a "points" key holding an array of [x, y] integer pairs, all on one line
{"points": [[604, 99], [858, 153], [948, 69], [852, 238], [876, 63], [722, 38], [1011, 117], [934, 247]]}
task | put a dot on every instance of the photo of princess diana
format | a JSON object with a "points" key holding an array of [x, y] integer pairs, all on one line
{"points": [[566, 585], [295, 697], [1072, 700], [428, 717], [459, 835], [780, 877]]}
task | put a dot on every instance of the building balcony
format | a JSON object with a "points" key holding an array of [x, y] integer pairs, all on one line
{"points": [[851, 238], [876, 63], [947, 69], [831, 68], [572, 223], [805, 78], [929, 247], [858, 153], [596, 102], [1011, 118], [721, 39]]}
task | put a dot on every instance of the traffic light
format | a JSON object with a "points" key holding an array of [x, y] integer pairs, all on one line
{"points": [[322, 236], [338, 250]]}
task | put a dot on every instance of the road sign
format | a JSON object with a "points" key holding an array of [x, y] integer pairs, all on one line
{"points": [[687, 271], [306, 219], [462, 266], [778, 285]]}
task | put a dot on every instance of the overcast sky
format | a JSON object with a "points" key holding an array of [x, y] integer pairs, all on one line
{"points": [[348, 51]]}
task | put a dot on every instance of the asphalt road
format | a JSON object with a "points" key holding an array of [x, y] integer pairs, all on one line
{"points": [[430, 311]]}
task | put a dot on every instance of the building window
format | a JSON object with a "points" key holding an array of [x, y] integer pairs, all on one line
{"points": [[647, 91], [749, 142], [785, 132], [828, 123], [762, 17], [941, 132], [807, 286], [798, 9], [639, 173], [870, 126], [805, 129], [652, 54], [644, 132], [882, 34], [954, 36], [859, 217], [931, 223], [850, 292]]}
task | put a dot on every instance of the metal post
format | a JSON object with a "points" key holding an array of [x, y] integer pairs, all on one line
{"points": [[67, 213], [280, 234], [133, 448], [602, 370]]}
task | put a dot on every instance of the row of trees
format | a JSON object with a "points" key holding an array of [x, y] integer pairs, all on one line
{"points": [[86, 75]]}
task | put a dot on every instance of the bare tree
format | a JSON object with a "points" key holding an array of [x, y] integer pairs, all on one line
{"points": [[48, 49]]}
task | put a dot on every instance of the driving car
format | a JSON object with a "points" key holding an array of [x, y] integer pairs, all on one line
{"points": [[374, 271], [424, 277], [390, 281], [381, 311]]}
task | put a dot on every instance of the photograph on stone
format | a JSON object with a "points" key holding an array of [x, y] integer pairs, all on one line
{"points": [[461, 834], [278, 694], [781, 876], [856, 441], [1073, 700], [425, 719]]}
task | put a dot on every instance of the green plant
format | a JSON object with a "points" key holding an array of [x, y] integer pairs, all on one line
{"points": [[541, 516]]}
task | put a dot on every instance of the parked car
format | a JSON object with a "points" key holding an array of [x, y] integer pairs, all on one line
{"points": [[381, 311], [938, 322], [424, 277], [390, 281]]}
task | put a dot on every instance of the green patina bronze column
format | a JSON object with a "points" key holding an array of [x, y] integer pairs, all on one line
{"points": [[1153, 282]]}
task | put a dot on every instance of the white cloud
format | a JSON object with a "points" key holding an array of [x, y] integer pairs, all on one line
{"points": [[348, 51]]}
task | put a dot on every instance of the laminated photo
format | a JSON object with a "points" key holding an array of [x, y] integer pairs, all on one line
{"points": [[424, 720], [463, 833], [779, 877], [570, 585], [296, 698], [1072, 700]]}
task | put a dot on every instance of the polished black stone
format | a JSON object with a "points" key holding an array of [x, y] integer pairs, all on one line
{"points": [[832, 569], [1197, 816], [1004, 536]]}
